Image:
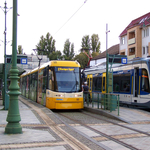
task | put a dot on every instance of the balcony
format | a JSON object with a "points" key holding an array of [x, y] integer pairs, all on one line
{"points": [[131, 41]]}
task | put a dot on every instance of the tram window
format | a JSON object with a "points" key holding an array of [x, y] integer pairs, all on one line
{"points": [[116, 84], [30, 79], [125, 83], [25, 81], [44, 72], [51, 80], [94, 84], [30, 82], [145, 81], [97, 82], [44, 81], [103, 83], [35, 80], [27, 85]]}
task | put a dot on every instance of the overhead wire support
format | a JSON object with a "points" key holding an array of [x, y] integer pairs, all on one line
{"points": [[40, 59], [70, 18]]}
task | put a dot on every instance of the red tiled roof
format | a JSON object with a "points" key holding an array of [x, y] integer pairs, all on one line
{"points": [[114, 50], [137, 22]]}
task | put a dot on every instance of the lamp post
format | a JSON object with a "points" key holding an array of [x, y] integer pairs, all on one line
{"points": [[13, 117], [107, 59], [6, 99]]}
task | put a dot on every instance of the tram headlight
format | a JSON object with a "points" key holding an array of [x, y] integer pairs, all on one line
{"points": [[59, 95], [78, 95]]}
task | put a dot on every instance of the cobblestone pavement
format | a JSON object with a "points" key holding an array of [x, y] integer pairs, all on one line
{"points": [[48, 133]]}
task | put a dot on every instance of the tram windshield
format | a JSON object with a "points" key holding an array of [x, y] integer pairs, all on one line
{"points": [[67, 79]]}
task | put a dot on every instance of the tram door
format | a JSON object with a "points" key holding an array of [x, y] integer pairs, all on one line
{"points": [[40, 83], [89, 80], [104, 82], [135, 82]]}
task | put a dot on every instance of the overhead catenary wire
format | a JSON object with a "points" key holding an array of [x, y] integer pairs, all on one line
{"points": [[70, 18]]}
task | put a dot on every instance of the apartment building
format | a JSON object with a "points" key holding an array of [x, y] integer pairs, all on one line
{"points": [[135, 38]]}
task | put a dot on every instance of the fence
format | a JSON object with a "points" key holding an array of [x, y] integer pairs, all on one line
{"points": [[105, 101]]}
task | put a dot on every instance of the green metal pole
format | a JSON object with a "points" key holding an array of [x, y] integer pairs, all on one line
{"points": [[107, 66], [13, 117], [107, 59], [6, 100], [118, 105]]}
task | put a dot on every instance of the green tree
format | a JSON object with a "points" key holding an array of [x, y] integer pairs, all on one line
{"points": [[20, 50], [95, 43], [68, 50], [90, 46], [82, 59], [85, 44], [46, 46], [94, 54], [56, 55]]}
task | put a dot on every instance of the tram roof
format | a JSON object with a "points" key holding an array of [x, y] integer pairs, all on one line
{"points": [[55, 63], [103, 65]]}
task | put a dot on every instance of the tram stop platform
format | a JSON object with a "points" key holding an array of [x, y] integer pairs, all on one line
{"points": [[41, 133], [130, 115]]}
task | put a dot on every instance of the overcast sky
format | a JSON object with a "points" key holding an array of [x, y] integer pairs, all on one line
{"points": [[37, 17]]}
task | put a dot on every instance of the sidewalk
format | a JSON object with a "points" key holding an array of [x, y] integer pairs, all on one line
{"points": [[128, 115], [30, 138]]}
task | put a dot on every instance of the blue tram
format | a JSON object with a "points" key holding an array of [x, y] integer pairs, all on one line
{"points": [[131, 81]]}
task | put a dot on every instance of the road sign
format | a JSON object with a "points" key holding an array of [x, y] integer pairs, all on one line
{"points": [[23, 60], [124, 60]]}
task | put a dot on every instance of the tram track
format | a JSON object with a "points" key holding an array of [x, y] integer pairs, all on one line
{"points": [[68, 139], [105, 136], [73, 141], [109, 121]]}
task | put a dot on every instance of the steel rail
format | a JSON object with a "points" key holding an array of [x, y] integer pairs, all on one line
{"points": [[136, 130], [70, 140], [101, 133]]}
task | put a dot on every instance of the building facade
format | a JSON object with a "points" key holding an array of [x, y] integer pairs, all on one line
{"points": [[135, 38], [33, 62], [30, 61]]}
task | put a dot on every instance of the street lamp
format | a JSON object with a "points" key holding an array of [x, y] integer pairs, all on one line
{"points": [[13, 117], [6, 100], [107, 57]]}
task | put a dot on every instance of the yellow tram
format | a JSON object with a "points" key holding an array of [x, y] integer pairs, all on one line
{"points": [[56, 85]]}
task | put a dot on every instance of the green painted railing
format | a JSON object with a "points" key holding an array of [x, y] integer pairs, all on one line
{"points": [[102, 101]]}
